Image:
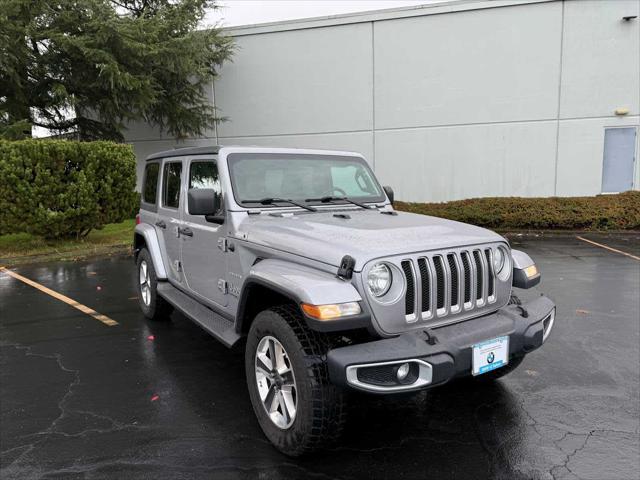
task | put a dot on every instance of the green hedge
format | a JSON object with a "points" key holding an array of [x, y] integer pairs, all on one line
{"points": [[62, 189], [134, 208], [603, 212]]}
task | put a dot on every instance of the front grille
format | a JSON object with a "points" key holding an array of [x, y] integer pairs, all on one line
{"points": [[461, 280], [466, 266], [440, 281], [480, 276], [490, 280], [409, 300], [453, 268], [425, 285]]}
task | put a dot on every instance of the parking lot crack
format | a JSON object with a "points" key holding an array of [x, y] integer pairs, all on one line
{"points": [[565, 464], [64, 408], [583, 444]]}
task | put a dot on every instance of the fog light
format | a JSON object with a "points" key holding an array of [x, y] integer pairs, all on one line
{"points": [[403, 371]]}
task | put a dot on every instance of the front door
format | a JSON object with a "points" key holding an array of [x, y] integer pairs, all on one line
{"points": [[203, 260], [169, 220]]}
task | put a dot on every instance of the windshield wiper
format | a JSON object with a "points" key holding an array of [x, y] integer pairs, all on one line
{"points": [[271, 201], [330, 199]]}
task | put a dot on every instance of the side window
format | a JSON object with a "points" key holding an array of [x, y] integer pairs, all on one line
{"points": [[171, 184], [150, 183], [204, 175]]}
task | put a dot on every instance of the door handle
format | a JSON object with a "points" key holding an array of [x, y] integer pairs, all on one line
{"points": [[187, 232], [161, 224]]}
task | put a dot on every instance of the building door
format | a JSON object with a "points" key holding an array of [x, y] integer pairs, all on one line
{"points": [[619, 159], [203, 261]]}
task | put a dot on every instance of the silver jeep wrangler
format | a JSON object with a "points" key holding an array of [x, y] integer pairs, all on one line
{"points": [[301, 254]]}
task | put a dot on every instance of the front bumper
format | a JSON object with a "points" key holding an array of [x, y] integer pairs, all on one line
{"points": [[444, 353]]}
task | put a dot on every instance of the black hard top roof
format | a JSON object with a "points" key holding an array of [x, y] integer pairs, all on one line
{"points": [[181, 152]]}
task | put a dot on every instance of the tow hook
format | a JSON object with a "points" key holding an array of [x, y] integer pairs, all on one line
{"points": [[431, 338]]}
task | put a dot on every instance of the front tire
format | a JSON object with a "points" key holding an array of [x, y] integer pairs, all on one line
{"points": [[297, 407], [152, 305]]}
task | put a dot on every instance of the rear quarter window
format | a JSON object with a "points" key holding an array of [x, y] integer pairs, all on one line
{"points": [[150, 183]]}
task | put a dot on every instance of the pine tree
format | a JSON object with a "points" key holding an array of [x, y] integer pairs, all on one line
{"points": [[92, 66]]}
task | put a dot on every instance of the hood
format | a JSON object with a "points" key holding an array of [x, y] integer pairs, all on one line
{"points": [[366, 235]]}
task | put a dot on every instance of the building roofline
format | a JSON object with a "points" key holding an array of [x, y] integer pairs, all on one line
{"points": [[449, 6]]}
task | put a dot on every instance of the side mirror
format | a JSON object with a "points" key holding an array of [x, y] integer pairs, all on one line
{"points": [[389, 191], [207, 202]]}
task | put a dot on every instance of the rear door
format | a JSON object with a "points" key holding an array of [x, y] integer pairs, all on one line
{"points": [[203, 260], [169, 219]]}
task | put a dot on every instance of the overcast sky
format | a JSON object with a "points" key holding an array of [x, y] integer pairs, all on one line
{"points": [[247, 12]]}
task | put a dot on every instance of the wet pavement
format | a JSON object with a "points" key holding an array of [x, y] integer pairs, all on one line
{"points": [[80, 399]]}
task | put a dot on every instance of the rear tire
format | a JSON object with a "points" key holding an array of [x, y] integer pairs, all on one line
{"points": [[319, 407], [152, 305]]}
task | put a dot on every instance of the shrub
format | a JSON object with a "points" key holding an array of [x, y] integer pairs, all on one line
{"points": [[134, 208], [62, 189], [602, 212]]}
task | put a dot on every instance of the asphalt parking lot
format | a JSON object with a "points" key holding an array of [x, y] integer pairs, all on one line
{"points": [[82, 399]]}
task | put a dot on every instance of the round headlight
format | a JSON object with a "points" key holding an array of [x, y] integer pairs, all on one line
{"points": [[498, 260], [502, 263], [379, 279]]}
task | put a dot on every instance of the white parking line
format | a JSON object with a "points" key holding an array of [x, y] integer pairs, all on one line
{"points": [[608, 248], [63, 298]]}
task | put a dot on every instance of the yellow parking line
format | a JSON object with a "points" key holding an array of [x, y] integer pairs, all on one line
{"points": [[608, 248], [69, 301]]}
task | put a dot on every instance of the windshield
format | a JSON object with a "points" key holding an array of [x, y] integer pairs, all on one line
{"points": [[303, 178]]}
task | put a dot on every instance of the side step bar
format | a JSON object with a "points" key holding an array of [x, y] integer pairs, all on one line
{"points": [[214, 323]]}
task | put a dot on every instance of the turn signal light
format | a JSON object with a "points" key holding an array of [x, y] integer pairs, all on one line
{"points": [[332, 311], [531, 271]]}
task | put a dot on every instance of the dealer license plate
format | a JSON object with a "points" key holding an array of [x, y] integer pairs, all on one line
{"points": [[490, 354]]}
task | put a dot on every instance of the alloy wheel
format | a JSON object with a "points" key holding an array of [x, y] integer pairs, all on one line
{"points": [[276, 382], [145, 283]]}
